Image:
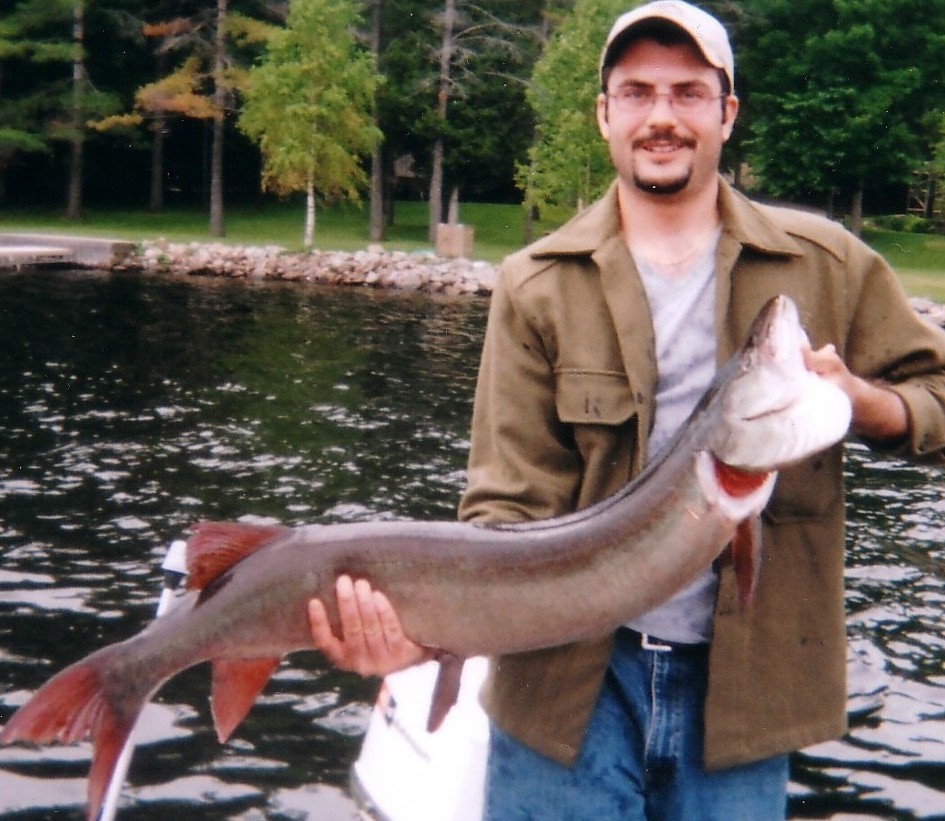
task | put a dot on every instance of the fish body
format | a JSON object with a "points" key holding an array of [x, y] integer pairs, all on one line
{"points": [[463, 588]]}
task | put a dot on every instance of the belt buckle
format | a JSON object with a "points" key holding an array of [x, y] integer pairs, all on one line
{"points": [[648, 643]]}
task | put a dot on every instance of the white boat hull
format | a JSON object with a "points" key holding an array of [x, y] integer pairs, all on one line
{"points": [[405, 773]]}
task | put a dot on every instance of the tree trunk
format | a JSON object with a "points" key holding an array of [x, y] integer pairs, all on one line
{"points": [[219, 102], [156, 202], [528, 223], [443, 94], [377, 155], [308, 235], [930, 198], [436, 190], [856, 212], [77, 138]]}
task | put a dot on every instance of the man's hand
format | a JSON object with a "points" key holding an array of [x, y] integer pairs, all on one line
{"points": [[878, 413], [372, 641]]}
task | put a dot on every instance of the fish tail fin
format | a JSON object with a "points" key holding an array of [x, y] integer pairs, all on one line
{"points": [[71, 706]]}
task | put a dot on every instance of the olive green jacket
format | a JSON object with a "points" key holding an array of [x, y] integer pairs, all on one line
{"points": [[562, 411]]}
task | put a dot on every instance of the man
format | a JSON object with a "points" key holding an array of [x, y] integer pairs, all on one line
{"points": [[689, 712]]}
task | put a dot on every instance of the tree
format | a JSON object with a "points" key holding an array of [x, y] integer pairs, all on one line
{"points": [[474, 42], [311, 120], [841, 93], [568, 164], [205, 85], [376, 222], [21, 128], [46, 37], [77, 112], [447, 47]]}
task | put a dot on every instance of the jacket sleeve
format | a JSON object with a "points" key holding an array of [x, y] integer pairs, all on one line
{"points": [[889, 341], [523, 463]]}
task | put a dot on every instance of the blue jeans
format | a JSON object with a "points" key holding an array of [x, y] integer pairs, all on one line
{"points": [[642, 756]]}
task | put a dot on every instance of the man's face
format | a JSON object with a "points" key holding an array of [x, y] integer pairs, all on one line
{"points": [[665, 149]]}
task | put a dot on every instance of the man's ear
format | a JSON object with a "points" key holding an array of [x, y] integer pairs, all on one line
{"points": [[729, 115], [603, 124]]}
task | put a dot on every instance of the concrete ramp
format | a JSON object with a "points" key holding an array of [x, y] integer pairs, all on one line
{"points": [[18, 249]]}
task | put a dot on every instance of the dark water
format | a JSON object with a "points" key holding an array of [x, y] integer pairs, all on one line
{"points": [[132, 406]]}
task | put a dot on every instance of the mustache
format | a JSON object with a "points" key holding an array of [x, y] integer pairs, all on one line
{"points": [[664, 136]]}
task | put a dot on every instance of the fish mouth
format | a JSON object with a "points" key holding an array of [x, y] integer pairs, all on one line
{"points": [[777, 413]]}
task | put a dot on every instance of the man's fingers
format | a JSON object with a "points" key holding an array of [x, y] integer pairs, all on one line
{"points": [[371, 627], [370, 638], [325, 640], [387, 618], [349, 613]]}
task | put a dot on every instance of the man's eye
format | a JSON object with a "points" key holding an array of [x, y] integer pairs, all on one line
{"points": [[691, 93]]}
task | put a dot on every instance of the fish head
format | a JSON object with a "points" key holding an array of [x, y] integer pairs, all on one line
{"points": [[775, 412]]}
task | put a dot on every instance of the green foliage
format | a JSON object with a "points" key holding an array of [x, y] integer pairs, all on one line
{"points": [[903, 223], [36, 39], [488, 124], [839, 91], [568, 162], [308, 103], [15, 139]]}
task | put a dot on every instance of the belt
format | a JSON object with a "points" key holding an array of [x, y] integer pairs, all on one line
{"points": [[647, 642]]}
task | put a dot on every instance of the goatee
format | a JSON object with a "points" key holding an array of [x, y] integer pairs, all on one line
{"points": [[663, 189]]}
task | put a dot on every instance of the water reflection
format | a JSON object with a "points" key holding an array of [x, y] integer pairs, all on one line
{"points": [[132, 406]]}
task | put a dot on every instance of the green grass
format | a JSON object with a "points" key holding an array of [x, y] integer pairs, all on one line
{"points": [[918, 258], [498, 229]]}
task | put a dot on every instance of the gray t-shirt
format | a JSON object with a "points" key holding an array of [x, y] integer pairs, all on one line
{"points": [[683, 308]]}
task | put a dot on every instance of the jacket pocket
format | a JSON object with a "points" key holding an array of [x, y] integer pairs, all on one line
{"points": [[594, 397], [807, 491]]}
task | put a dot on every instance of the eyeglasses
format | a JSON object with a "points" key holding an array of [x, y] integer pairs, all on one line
{"points": [[692, 98]]}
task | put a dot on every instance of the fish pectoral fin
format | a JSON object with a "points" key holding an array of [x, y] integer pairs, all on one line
{"points": [[745, 550], [215, 547], [446, 689], [236, 685]]}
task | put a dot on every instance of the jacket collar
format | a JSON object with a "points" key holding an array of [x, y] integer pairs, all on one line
{"points": [[750, 224], [745, 221], [584, 233]]}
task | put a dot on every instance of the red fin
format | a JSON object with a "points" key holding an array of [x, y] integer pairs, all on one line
{"points": [[236, 684], [446, 689], [736, 482], [71, 706], [746, 557], [216, 546], [109, 738]]}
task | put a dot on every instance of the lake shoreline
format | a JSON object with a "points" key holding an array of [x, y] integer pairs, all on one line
{"points": [[373, 267]]}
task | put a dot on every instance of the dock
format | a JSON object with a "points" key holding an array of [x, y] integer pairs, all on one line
{"points": [[19, 250]]}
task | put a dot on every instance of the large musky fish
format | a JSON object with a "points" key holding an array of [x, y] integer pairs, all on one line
{"points": [[467, 589]]}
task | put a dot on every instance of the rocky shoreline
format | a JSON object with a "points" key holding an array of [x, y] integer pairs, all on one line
{"points": [[373, 267]]}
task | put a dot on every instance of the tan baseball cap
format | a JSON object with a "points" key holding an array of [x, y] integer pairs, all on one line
{"points": [[706, 32]]}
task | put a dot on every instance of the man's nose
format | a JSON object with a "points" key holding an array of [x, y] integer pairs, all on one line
{"points": [[662, 110]]}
